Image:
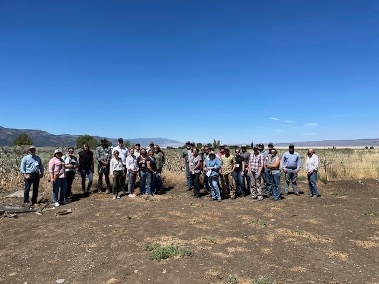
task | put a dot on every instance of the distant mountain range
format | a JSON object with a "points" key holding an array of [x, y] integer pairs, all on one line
{"points": [[44, 139]]}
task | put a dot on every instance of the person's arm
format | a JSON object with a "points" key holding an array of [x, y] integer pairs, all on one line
{"points": [[148, 165], [260, 164], [92, 164], [283, 163], [299, 163], [275, 164], [243, 167]]}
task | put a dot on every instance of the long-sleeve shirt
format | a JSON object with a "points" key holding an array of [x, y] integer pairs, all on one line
{"points": [[215, 164], [311, 163], [256, 163], [31, 165], [116, 165], [131, 163], [56, 167], [123, 152], [103, 154], [291, 161]]}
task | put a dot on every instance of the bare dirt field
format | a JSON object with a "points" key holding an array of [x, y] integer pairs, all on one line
{"points": [[331, 239]]}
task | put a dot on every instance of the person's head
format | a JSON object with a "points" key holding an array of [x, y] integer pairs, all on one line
{"points": [[120, 142], [206, 150], [270, 145], [156, 149], [256, 149], [227, 151], [243, 148], [137, 146], [103, 142], [212, 155], [237, 151], [131, 151], [188, 144], [150, 152], [58, 153], [195, 151], [32, 150], [311, 151], [70, 150], [116, 153], [291, 148], [273, 152], [151, 144], [85, 147], [261, 147], [143, 152]]}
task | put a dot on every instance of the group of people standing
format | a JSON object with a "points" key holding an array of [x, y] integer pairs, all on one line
{"points": [[119, 163], [255, 174]]}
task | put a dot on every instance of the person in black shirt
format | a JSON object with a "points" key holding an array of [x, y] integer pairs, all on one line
{"points": [[86, 166], [238, 173]]}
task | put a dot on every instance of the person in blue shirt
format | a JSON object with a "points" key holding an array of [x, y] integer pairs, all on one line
{"points": [[32, 170], [291, 165], [212, 170]]}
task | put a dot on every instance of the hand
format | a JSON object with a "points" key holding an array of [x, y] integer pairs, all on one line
{"points": [[26, 176], [41, 175]]}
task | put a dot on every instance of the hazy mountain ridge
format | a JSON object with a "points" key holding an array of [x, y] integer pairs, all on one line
{"points": [[42, 138]]}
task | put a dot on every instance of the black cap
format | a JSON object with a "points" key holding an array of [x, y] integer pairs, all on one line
{"points": [[103, 140], [120, 140], [291, 146], [138, 144], [188, 142], [271, 144]]}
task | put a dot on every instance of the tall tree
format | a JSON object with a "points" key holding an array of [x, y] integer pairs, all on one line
{"points": [[22, 139], [90, 140]]}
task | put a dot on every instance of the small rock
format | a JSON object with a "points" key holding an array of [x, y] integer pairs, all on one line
{"points": [[60, 281]]}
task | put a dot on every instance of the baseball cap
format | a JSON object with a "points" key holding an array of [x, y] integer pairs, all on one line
{"points": [[120, 140], [32, 147], [56, 151], [243, 146], [271, 144], [291, 146]]}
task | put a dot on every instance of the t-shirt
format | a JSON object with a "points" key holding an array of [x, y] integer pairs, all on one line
{"points": [[85, 159], [238, 162]]}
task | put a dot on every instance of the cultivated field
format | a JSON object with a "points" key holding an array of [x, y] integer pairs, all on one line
{"points": [[175, 238]]}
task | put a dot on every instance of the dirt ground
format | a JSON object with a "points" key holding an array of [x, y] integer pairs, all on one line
{"points": [[331, 239]]}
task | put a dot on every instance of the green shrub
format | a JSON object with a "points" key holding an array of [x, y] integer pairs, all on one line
{"points": [[159, 252]]}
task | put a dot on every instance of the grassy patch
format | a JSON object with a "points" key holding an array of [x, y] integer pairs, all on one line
{"points": [[159, 252], [260, 222], [263, 280], [210, 239], [232, 279]]}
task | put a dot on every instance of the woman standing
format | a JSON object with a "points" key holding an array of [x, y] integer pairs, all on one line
{"points": [[117, 171], [57, 176], [275, 172], [151, 172], [142, 165], [71, 165]]}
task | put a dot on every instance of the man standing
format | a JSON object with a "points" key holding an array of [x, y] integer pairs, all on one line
{"points": [[291, 165], [32, 170], [267, 178], [103, 156], [123, 153], [246, 177], [311, 165], [255, 169], [86, 166], [186, 155]]}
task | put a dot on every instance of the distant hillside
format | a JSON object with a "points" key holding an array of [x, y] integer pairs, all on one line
{"points": [[335, 143], [44, 139]]}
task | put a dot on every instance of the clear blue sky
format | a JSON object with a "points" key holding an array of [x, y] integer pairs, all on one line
{"points": [[236, 71]]}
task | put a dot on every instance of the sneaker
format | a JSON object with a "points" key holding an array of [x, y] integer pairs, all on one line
{"points": [[56, 204], [132, 195], [68, 200], [260, 198], [114, 197], [118, 197], [107, 191]]}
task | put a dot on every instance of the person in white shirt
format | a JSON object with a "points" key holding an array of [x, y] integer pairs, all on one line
{"points": [[123, 153], [117, 173], [132, 171], [311, 165]]}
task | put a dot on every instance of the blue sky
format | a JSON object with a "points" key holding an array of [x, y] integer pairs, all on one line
{"points": [[235, 71]]}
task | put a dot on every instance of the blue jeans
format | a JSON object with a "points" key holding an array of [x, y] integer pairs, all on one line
{"points": [[312, 183], [276, 185], [150, 182], [142, 181], [60, 183], [131, 182], [267, 180], [83, 174], [33, 180], [291, 177], [238, 178], [215, 191], [188, 175], [158, 181]]}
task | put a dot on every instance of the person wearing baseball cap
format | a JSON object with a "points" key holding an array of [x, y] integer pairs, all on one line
{"points": [[291, 165], [57, 176], [246, 177], [186, 156], [32, 169]]}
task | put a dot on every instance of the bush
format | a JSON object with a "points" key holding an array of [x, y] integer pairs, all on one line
{"points": [[22, 139], [159, 252]]}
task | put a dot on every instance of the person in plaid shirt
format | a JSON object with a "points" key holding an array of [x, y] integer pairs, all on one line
{"points": [[255, 171]]}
